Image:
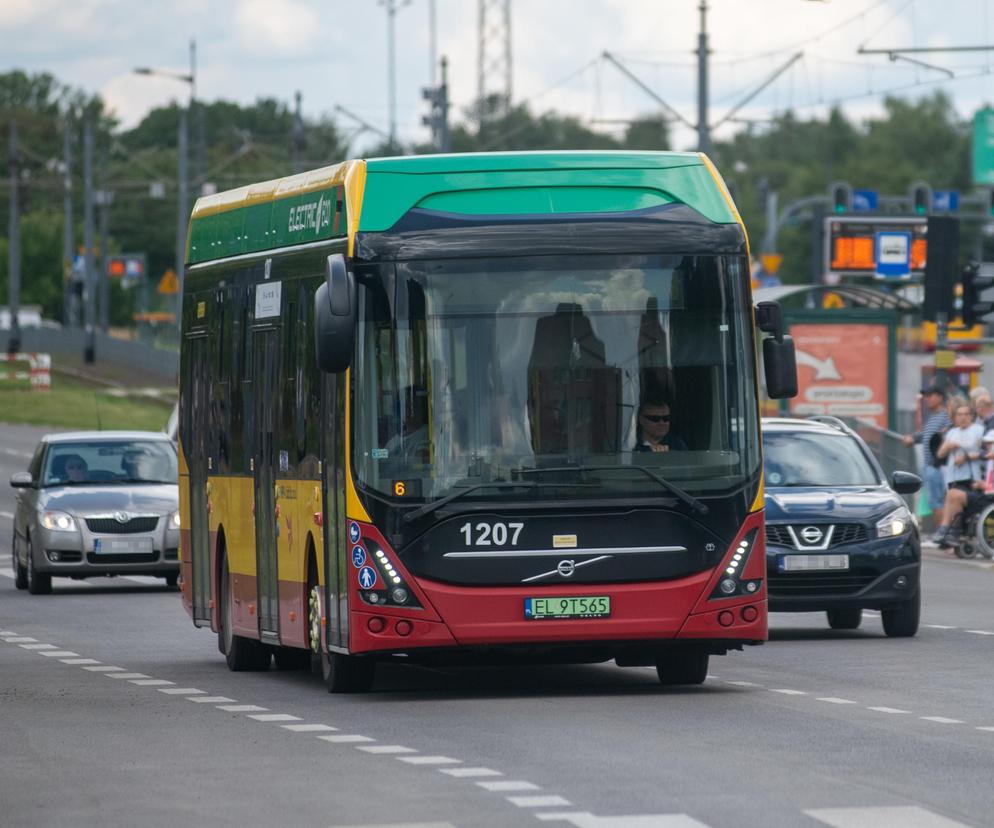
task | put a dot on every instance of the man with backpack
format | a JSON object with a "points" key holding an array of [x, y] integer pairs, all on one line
{"points": [[930, 438]]}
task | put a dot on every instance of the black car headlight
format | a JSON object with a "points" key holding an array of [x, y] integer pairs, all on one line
{"points": [[896, 523]]}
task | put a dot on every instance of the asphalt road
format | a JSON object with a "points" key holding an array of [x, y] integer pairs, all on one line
{"points": [[116, 711]]}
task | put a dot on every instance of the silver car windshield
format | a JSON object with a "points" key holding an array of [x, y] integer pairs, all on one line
{"points": [[108, 462], [577, 370]]}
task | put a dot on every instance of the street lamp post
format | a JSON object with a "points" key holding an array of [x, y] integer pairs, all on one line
{"points": [[182, 199]]}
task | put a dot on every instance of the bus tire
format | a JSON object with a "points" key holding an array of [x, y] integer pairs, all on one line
{"points": [[291, 658], [901, 620], [845, 619], [684, 665], [38, 583], [242, 654], [347, 674]]}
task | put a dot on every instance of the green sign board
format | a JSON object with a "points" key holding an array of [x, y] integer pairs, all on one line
{"points": [[983, 147]]}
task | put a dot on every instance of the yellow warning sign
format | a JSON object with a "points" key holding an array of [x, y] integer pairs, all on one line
{"points": [[945, 359], [771, 262], [832, 300], [169, 283]]}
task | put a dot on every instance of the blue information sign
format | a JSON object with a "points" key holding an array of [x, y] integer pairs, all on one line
{"points": [[358, 556], [863, 201], [945, 201], [367, 577], [354, 532], [892, 253]]}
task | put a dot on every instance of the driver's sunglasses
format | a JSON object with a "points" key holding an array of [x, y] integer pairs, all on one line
{"points": [[657, 418]]}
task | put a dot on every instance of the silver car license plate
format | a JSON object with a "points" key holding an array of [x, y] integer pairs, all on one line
{"points": [[123, 546], [806, 563]]}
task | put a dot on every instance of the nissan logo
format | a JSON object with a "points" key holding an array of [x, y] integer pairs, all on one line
{"points": [[122, 517], [811, 534], [566, 568]]}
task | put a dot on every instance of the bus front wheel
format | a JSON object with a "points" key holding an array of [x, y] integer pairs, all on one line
{"points": [[341, 673], [686, 665]]}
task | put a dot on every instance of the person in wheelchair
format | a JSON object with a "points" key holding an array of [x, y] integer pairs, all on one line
{"points": [[970, 530]]}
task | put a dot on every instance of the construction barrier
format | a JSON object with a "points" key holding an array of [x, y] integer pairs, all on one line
{"points": [[38, 375]]}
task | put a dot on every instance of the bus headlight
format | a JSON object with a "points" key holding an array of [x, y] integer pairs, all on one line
{"points": [[896, 523], [59, 522]]}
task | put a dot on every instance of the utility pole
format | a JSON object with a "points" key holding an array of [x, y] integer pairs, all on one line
{"points": [[297, 138], [703, 131], [182, 210], [89, 291], [197, 118], [392, 7], [104, 199], [69, 314], [438, 120], [494, 67], [14, 245], [432, 40]]}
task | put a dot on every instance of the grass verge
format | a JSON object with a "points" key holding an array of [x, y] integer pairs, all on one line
{"points": [[76, 405]]}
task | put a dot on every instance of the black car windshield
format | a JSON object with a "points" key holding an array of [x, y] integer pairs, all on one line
{"points": [[555, 369], [102, 462], [807, 459]]}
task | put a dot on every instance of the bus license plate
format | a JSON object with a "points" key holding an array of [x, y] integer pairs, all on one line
{"points": [[586, 606], [806, 563]]}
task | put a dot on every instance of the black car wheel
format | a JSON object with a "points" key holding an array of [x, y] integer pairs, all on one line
{"points": [[845, 619], [20, 572], [901, 620], [172, 579], [686, 665], [38, 583]]}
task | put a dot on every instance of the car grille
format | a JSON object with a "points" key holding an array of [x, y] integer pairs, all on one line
{"points": [[110, 526], [819, 583], [777, 534], [94, 558]]}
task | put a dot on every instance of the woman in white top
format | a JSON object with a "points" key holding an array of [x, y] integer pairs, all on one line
{"points": [[962, 448]]}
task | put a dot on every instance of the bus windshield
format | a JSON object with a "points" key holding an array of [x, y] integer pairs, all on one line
{"points": [[565, 372]]}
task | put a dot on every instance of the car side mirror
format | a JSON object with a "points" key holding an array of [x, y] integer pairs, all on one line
{"points": [[22, 480], [335, 317], [904, 482]]}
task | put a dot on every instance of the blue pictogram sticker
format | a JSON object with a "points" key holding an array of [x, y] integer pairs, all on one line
{"points": [[354, 532], [367, 577], [358, 556]]}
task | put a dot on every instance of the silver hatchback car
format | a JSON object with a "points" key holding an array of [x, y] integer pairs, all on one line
{"points": [[97, 503]]}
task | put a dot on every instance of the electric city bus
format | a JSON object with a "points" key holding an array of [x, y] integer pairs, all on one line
{"points": [[463, 407]]}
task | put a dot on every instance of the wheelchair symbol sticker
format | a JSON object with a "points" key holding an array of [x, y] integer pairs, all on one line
{"points": [[354, 532], [367, 577], [358, 556]]}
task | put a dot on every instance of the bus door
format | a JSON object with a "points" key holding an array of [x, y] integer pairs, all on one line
{"points": [[265, 356], [333, 492], [196, 459]]}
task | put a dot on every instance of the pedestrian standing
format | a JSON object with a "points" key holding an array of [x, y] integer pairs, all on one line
{"points": [[930, 437]]}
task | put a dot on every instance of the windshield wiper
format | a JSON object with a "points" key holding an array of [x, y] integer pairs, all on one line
{"points": [[430, 507], [676, 491]]}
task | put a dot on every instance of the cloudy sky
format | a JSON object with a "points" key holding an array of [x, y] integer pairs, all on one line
{"points": [[334, 52]]}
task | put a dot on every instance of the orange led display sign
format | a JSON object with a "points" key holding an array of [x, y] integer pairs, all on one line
{"points": [[850, 243]]}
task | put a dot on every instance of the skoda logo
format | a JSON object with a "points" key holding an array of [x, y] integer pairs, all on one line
{"points": [[122, 517], [811, 534], [565, 568]]}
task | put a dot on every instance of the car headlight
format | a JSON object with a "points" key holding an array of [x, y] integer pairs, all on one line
{"points": [[59, 522], [896, 523], [174, 521]]}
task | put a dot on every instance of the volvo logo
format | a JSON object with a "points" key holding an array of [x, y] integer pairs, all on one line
{"points": [[566, 568], [811, 535], [709, 547]]}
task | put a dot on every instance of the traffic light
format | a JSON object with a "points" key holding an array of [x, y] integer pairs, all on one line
{"points": [[841, 197], [941, 265], [974, 285], [921, 199]]}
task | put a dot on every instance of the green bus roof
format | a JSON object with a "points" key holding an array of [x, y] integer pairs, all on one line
{"points": [[322, 204]]}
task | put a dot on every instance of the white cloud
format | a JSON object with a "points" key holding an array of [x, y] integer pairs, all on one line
{"points": [[288, 26]]}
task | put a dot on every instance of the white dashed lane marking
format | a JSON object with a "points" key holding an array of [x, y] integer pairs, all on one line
{"points": [[539, 801], [180, 691], [788, 692], [887, 817], [275, 717], [78, 662], [388, 749], [888, 710], [507, 785], [834, 700], [346, 738], [980, 632], [151, 682], [59, 653], [212, 700], [240, 708], [21, 639], [309, 728], [127, 676], [105, 668], [940, 719], [585, 819], [38, 647], [470, 773], [430, 760]]}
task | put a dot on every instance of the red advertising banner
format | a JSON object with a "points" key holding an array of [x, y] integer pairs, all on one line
{"points": [[842, 370]]}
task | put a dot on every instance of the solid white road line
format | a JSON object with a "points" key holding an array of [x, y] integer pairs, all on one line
{"points": [[910, 816]]}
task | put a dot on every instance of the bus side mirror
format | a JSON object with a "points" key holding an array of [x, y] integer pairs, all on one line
{"points": [[781, 367], [335, 317], [769, 319]]}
